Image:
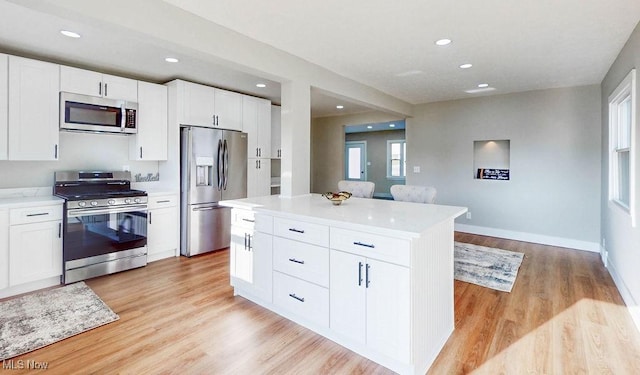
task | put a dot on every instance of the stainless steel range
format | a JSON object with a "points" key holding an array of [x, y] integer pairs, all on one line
{"points": [[105, 224]]}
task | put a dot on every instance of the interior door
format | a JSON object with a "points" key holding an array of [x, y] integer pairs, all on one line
{"points": [[355, 157]]}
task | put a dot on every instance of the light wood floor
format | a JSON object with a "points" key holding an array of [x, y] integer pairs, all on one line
{"points": [[564, 316]]}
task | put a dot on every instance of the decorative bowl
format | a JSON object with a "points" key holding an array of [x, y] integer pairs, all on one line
{"points": [[337, 198]]}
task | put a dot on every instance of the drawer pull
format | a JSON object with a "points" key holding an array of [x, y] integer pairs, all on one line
{"points": [[164, 201], [248, 220], [301, 299], [296, 230], [294, 260], [364, 244], [39, 214]]}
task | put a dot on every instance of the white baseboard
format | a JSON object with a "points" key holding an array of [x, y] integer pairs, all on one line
{"points": [[529, 237], [632, 305]]}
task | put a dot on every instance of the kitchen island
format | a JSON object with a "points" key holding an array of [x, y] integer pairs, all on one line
{"points": [[375, 276]]}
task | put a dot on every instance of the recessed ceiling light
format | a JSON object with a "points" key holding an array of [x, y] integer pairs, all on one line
{"points": [[465, 66], [392, 125], [171, 59], [483, 85], [443, 42], [339, 106], [70, 34], [369, 127], [261, 85]]}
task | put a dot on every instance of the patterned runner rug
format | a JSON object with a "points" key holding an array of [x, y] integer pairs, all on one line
{"points": [[486, 266], [32, 321]]}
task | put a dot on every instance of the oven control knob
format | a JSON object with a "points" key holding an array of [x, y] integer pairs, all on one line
{"points": [[137, 200], [127, 201], [94, 203], [82, 204], [111, 201]]}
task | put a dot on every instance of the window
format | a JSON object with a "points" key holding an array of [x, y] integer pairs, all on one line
{"points": [[396, 159], [622, 119]]}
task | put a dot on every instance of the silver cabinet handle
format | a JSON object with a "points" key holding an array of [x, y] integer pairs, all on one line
{"points": [[296, 230], [38, 214], [294, 260], [248, 220], [59, 230], [105, 90], [245, 241], [140, 152], [292, 295], [359, 273], [257, 152], [100, 88], [164, 201], [149, 217], [55, 151], [367, 282], [364, 244]]}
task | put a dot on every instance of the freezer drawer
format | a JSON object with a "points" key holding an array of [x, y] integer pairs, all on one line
{"points": [[208, 229]]}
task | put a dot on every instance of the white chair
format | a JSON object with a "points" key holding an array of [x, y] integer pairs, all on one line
{"points": [[361, 189], [414, 193]]}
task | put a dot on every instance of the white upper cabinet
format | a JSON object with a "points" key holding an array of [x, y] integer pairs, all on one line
{"points": [[276, 140], [4, 116], [33, 109], [207, 106], [228, 109], [256, 122], [150, 143], [86, 82]]}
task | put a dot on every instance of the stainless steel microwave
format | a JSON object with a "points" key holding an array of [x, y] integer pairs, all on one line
{"points": [[95, 114]]}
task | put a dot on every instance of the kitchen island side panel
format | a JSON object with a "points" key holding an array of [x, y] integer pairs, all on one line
{"points": [[432, 294]]}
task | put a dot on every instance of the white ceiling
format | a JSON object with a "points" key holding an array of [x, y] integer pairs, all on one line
{"points": [[514, 45]]}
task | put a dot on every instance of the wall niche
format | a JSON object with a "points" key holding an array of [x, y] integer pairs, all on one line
{"points": [[491, 159]]}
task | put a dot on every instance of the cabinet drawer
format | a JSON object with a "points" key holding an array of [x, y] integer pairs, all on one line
{"points": [[163, 201], [304, 261], [242, 218], [388, 249], [35, 214], [314, 234], [263, 223], [307, 300]]}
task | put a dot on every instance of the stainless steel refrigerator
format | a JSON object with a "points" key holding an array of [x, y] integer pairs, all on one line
{"points": [[213, 167]]}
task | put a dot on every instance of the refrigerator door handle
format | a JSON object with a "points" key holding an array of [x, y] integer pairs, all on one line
{"points": [[220, 165], [226, 165]]}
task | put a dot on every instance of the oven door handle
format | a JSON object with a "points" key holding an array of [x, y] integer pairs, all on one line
{"points": [[100, 211]]}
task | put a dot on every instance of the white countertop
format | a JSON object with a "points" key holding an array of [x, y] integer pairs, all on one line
{"points": [[14, 202], [392, 217]]}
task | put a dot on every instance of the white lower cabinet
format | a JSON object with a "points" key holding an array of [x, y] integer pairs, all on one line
{"points": [[302, 298], [162, 227], [251, 257], [35, 244], [4, 249], [370, 303]]}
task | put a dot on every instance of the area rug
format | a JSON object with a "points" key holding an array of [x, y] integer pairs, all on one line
{"points": [[32, 321], [486, 266]]}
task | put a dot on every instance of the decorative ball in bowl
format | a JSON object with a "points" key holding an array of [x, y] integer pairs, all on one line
{"points": [[337, 198]]}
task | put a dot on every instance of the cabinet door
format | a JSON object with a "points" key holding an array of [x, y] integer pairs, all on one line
{"points": [[262, 251], [80, 81], [35, 251], [4, 93], [250, 125], [242, 259], [228, 109], [150, 143], [264, 128], [276, 152], [388, 309], [120, 88], [162, 234], [33, 109], [4, 249], [198, 103], [347, 295], [258, 177]]}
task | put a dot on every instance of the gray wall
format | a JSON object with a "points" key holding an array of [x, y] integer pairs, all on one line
{"points": [[78, 151], [377, 157], [622, 239], [327, 147], [555, 140]]}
